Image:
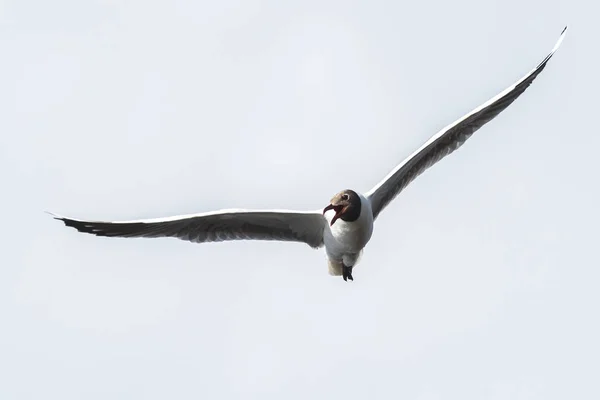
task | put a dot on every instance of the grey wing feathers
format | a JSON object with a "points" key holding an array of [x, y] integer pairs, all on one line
{"points": [[306, 227], [449, 139]]}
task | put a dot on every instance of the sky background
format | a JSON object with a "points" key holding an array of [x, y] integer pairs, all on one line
{"points": [[480, 281]]}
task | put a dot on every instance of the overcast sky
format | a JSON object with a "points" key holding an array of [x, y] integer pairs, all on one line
{"points": [[480, 281]]}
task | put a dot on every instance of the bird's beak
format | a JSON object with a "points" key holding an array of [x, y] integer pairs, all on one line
{"points": [[329, 207], [338, 211]]}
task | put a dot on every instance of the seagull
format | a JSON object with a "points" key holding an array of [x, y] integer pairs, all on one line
{"points": [[345, 225]]}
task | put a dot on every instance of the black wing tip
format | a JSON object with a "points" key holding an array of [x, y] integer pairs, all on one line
{"points": [[542, 64], [58, 217], [80, 226]]}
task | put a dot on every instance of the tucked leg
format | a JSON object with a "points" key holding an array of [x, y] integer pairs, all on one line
{"points": [[347, 273]]}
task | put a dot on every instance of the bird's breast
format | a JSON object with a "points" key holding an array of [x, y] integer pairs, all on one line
{"points": [[350, 236]]}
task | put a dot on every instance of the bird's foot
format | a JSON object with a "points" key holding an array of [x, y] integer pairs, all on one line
{"points": [[347, 273]]}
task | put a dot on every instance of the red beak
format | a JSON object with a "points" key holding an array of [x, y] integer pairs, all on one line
{"points": [[337, 209], [329, 207]]}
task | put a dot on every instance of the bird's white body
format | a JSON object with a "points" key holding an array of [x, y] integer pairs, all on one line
{"points": [[343, 227], [344, 241]]}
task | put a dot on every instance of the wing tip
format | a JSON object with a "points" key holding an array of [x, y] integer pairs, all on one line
{"points": [[560, 39], [55, 216], [556, 46], [72, 223]]}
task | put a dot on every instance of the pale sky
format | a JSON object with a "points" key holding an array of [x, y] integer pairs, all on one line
{"points": [[480, 281]]}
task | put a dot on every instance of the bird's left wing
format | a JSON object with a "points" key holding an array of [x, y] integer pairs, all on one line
{"points": [[284, 225], [449, 139]]}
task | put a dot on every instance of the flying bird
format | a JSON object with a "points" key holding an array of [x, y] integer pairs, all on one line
{"points": [[345, 225]]}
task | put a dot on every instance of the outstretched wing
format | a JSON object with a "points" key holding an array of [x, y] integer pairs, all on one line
{"points": [[449, 139], [306, 227]]}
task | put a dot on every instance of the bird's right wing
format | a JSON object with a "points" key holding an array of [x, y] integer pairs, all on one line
{"points": [[284, 225], [449, 139]]}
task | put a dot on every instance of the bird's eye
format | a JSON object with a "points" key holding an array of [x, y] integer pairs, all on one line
{"points": [[345, 197]]}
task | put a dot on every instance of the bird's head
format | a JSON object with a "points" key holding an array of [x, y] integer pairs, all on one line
{"points": [[346, 205]]}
